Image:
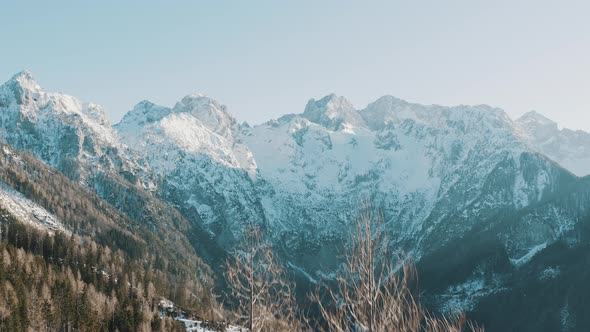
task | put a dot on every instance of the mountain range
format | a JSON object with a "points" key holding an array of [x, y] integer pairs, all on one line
{"points": [[494, 211]]}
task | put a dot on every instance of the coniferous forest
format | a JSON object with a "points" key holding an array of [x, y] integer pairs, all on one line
{"points": [[109, 273]]}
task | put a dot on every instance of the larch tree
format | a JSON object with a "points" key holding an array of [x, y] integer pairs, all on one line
{"points": [[260, 288]]}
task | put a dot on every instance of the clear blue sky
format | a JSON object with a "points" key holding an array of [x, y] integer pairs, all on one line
{"points": [[267, 58]]}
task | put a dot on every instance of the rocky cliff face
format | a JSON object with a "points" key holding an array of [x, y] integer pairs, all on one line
{"points": [[200, 163], [72, 136]]}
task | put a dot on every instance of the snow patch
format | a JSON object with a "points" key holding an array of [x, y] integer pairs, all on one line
{"points": [[27, 211], [549, 273], [463, 297], [529, 255]]}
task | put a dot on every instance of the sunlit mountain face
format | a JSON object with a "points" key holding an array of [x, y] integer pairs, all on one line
{"points": [[494, 211]]}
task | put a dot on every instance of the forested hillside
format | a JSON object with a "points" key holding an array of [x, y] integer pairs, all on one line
{"points": [[105, 270]]}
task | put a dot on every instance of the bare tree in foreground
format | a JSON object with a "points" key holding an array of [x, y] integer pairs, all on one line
{"points": [[260, 287], [369, 295]]}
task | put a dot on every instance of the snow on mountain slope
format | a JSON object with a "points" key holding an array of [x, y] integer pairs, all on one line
{"points": [[23, 95], [437, 173], [421, 165], [197, 124], [387, 110], [569, 148], [64, 132], [28, 211], [434, 171], [203, 166], [303, 175], [333, 112], [329, 172]]}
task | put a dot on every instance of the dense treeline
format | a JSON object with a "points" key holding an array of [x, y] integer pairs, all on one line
{"points": [[61, 282], [151, 251], [83, 211]]}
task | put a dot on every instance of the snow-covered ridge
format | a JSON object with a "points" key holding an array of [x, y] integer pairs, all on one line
{"points": [[22, 93], [196, 150], [435, 172], [330, 148], [333, 112], [64, 132], [390, 110], [417, 163], [304, 174], [570, 148], [196, 124]]}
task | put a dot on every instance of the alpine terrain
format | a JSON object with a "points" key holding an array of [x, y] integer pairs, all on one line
{"points": [[495, 212]]}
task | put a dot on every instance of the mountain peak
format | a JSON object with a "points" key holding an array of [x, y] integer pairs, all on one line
{"points": [[23, 74], [146, 112], [332, 104], [209, 111], [534, 119], [25, 80], [332, 112], [535, 116], [22, 86], [197, 102], [389, 99], [383, 111]]}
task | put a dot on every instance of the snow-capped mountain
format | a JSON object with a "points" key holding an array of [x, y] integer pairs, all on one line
{"points": [[569, 148], [443, 177], [202, 165], [434, 171], [333, 112], [72, 136], [76, 138], [197, 124]]}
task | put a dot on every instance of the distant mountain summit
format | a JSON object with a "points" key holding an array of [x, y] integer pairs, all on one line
{"points": [[333, 112], [570, 148], [61, 130], [198, 160]]}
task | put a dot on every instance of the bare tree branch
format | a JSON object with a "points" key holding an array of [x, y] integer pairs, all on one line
{"points": [[369, 295], [264, 296]]}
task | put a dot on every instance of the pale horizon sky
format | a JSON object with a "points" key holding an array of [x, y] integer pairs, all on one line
{"points": [[264, 59]]}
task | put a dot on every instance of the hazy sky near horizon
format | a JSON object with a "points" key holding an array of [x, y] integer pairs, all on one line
{"points": [[267, 58]]}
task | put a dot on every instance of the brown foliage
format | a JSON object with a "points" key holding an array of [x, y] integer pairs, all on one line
{"points": [[260, 288]]}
